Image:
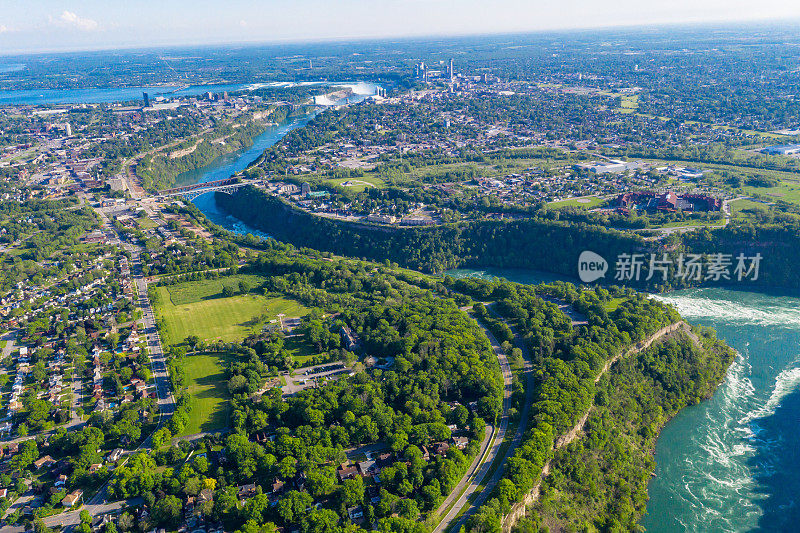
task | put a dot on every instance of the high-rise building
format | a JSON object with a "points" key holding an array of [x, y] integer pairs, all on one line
{"points": [[146, 99], [452, 72], [421, 71]]}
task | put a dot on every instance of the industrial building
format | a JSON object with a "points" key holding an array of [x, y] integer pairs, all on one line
{"points": [[607, 167]]}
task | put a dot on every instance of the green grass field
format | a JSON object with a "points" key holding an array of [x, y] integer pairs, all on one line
{"points": [[195, 291], [737, 206], [359, 184], [788, 191], [587, 201], [301, 351], [612, 304], [212, 317], [146, 223], [629, 104], [208, 392]]}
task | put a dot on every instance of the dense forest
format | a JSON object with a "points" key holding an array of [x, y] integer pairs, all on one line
{"points": [[611, 466], [526, 243]]}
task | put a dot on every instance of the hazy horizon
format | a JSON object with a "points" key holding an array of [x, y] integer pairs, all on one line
{"points": [[52, 26]]}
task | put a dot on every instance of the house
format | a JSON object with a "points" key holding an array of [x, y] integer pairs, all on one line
{"points": [[206, 495], [115, 455], [94, 468], [43, 462], [355, 512], [426, 455], [72, 498], [277, 486], [460, 442], [440, 448], [367, 468], [346, 471], [349, 339], [246, 491]]}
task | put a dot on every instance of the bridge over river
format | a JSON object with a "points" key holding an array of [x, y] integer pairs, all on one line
{"points": [[190, 192]]}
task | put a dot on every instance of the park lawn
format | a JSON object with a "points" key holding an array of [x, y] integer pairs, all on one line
{"points": [[301, 350], [146, 223], [788, 191], [629, 104], [195, 291], [359, 183], [585, 201], [228, 319], [737, 206], [209, 406]]}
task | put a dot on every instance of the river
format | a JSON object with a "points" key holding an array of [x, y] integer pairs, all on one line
{"points": [[227, 165], [729, 464]]}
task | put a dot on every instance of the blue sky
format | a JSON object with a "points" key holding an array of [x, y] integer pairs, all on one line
{"points": [[44, 25]]}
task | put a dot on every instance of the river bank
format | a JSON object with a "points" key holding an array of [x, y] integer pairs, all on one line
{"points": [[727, 464]]}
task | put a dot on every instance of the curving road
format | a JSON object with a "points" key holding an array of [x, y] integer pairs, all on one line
{"points": [[455, 519]]}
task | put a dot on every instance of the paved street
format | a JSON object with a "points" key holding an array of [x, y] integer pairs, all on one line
{"points": [[483, 462]]}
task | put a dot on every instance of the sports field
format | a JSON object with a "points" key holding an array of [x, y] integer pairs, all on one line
{"points": [[197, 308]]}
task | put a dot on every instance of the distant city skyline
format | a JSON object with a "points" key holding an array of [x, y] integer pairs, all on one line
{"points": [[52, 25]]}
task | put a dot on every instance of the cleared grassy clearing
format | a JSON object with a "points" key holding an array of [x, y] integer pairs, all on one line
{"points": [[587, 202], [228, 319], [737, 206], [208, 392], [195, 291]]}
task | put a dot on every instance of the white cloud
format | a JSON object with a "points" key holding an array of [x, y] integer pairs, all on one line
{"points": [[70, 19]]}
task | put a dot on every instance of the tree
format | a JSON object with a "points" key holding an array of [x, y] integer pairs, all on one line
{"points": [[126, 521], [293, 505], [407, 508], [352, 491], [237, 384], [322, 521], [167, 511]]}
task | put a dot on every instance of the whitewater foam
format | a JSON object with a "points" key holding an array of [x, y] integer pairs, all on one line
{"points": [[762, 313]]}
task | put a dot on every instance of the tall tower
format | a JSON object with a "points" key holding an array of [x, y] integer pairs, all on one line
{"points": [[146, 99], [452, 72]]}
